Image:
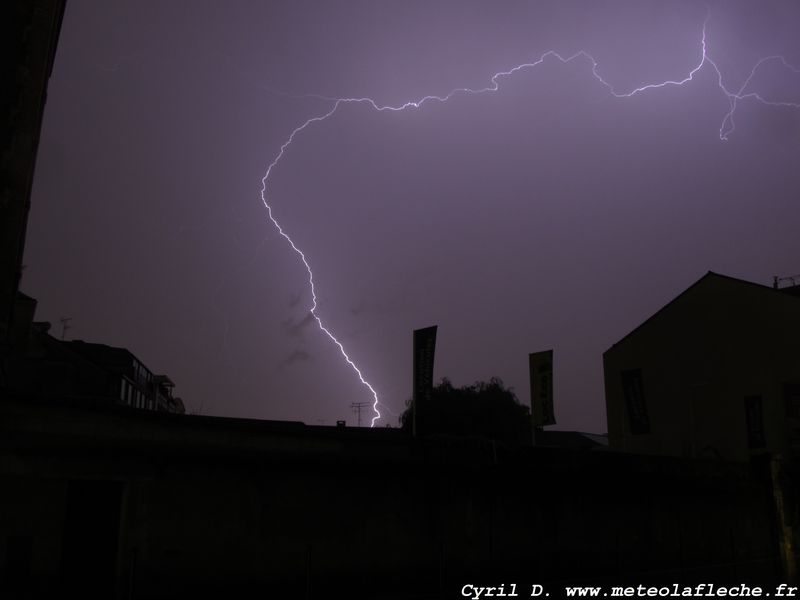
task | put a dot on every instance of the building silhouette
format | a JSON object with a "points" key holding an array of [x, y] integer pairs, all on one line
{"points": [[715, 373], [131, 381], [39, 365], [29, 31]]}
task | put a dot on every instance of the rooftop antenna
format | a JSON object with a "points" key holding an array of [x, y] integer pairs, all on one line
{"points": [[358, 407], [65, 326]]}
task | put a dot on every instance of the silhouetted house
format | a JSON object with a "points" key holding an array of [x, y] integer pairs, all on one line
{"points": [[29, 32], [132, 382], [39, 365], [714, 373]]}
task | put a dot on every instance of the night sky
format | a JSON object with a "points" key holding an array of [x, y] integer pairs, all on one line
{"points": [[547, 215]]}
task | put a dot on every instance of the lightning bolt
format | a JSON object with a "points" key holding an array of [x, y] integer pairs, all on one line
{"points": [[726, 129]]}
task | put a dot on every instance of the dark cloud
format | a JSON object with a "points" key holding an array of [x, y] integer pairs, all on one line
{"points": [[295, 328], [297, 356], [295, 299]]}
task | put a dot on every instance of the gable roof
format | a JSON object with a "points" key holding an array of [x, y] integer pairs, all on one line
{"points": [[710, 275]]}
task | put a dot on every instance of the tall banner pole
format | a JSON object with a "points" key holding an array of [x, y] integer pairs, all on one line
{"points": [[424, 349], [540, 366]]}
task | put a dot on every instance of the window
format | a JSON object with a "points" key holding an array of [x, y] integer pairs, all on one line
{"points": [[126, 391], [791, 395]]}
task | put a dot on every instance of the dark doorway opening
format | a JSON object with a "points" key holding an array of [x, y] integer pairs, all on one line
{"points": [[91, 539]]}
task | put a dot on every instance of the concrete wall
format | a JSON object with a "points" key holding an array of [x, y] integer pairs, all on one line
{"points": [[189, 506]]}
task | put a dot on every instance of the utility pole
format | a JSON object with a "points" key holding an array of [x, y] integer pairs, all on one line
{"points": [[357, 406], [65, 326]]}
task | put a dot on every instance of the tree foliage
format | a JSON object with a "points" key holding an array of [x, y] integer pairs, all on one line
{"points": [[485, 408]]}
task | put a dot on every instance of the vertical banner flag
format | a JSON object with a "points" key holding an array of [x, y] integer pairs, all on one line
{"points": [[541, 372], [424, 348], [633, 390]]}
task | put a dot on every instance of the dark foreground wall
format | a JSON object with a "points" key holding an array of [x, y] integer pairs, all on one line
{"points": [[100, 503]]}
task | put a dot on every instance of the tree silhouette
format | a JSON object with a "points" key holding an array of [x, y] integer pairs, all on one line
{"points": [[485, 408]]}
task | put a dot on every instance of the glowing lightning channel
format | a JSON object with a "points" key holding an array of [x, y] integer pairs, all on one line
{"points": [[726, 129]]}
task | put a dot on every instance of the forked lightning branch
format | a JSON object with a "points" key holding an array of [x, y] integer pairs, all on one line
{"points": [[733, 95]]}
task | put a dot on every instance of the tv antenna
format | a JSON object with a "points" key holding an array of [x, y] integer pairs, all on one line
{"points": [[358, 407], [65, 326]]}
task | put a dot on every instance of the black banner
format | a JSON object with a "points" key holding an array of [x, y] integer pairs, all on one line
{"points": [[540, 365], [633, 390], [424, 349]]}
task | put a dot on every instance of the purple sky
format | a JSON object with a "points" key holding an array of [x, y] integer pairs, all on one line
{"points": [[547, 215]]}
